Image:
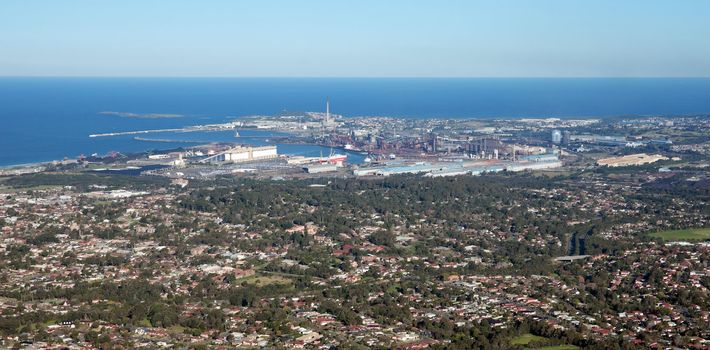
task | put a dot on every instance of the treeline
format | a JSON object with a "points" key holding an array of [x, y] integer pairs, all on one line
{"points": [[83, 181]]}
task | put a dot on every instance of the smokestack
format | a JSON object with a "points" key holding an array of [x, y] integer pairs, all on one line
{"points": [[327, 110]]}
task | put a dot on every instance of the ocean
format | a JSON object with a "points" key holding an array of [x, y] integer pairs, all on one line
{"points": [[44, 119]]}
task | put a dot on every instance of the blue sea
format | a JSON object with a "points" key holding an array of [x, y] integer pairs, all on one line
{"points": [[45, 119]]}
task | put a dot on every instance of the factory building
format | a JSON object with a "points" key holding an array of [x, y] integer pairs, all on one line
{"points": [[466, 169], [365, 172], [566, 137], [320, 168], [545, 157], [556, 137], [441, 169], [398, 169], [533, 165], [243, 154], [408, 169], [445, 173]]}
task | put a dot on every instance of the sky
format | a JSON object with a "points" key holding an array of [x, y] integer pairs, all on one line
{"points": [[355, 38]]}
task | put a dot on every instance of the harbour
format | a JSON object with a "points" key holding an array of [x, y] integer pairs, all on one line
{"points": [[48, 124]]}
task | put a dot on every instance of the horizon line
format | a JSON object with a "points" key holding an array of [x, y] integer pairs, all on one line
{"points": [[349, 77]]}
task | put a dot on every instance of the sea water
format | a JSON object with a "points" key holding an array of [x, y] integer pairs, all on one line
{"points": [[44, 119]]}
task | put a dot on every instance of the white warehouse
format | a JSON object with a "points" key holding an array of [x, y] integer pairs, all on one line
{"points": [[244, 154]]}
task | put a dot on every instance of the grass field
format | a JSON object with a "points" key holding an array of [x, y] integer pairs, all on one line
{"points": [[262, 280], [698, 234], [525, 339], [528, 338]]}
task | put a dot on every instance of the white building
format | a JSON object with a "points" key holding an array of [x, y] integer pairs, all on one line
{"points": [[244, 154]]}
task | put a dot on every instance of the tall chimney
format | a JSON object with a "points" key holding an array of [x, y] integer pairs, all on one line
{"points": [[327, 110]]}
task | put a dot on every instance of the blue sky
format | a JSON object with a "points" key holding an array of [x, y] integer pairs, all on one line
{"points": [[355, 38]]}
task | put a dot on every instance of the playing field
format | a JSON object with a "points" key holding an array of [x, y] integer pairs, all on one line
{"points": [[525, 339], [698, 234], [262, 280]]}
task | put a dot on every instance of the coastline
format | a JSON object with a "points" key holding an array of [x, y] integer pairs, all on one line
{"points": [[28, 166], [43, 133]]}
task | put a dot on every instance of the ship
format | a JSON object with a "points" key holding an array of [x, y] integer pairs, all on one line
{"points": [[333, 158]]}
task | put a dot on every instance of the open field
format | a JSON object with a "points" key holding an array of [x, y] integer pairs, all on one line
{"points": [[525, 339], [683, 235], [262, 280]]}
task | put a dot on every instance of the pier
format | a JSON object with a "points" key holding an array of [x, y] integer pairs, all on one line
{"points": [[211, 127], [145, 139], [122, 133]]}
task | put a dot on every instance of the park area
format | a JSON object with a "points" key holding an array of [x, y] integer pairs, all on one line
{"points": [[698, 234], [531, 341]]}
